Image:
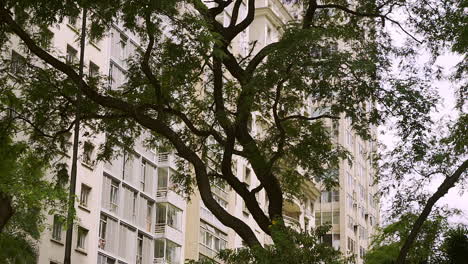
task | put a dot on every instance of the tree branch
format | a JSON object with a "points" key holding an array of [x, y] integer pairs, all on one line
{"points": [[368, 14], [155, 125], [448, 183]]}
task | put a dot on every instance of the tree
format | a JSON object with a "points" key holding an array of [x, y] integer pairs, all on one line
{"points": [[25, 196], [386, 245], [188, 89], [438, 242], [309, 249], [455, 245]]}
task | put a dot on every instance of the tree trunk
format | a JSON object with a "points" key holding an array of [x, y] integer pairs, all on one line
{"points": [[6, 210], [74, 169], [448, 183]]}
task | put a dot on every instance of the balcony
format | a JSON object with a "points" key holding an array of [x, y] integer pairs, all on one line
{"points": [[161, 194], [206, 251], [167, 159], [292, 222], [160, 228], [276, 8], [220, 192]]}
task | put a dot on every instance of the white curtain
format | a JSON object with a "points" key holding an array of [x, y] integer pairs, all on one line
{"points": [[149, 188], [147, 250], [112, 235], [127, 204], [106, 183], [128, 167], [141, 218], [127, 244], [115, 48]]}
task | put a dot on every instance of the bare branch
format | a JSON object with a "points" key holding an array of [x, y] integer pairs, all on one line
{"points": [[446, 185], [367, 14]]}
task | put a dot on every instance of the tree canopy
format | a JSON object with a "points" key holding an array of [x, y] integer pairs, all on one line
{"points": [[187, 88]]}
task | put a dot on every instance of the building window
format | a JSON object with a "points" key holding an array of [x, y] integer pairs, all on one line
{"points": [[45, 38], [163, 178], [114, 196], [81, 238], [71, 55], [123, 47], [351, 245], [350, 180], [84, 196], [93, 69], [336, 217], [166, 250], [129, 160], [143, 175], [330, 196], [57, 228], [73, 21], [159, 246], [139, 254], [88, 150], [102, 232], [102, 259], [350, 222], [18, 63], [167, 214], [212, 238], [335, 196], [149, 213]]}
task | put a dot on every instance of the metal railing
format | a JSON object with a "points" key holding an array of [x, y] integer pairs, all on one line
{"points": [[160, 228]]}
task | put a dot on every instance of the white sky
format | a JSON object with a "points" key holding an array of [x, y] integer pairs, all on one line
{"points": [[454, 199]]}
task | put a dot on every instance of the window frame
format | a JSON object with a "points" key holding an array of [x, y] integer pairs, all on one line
{"points": [[81, 238], [86, 190]]}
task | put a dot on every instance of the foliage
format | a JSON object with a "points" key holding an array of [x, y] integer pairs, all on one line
{"points": [[386, 245], [292, 247], [455, 245], [22, 180], [187, 89], [438, 242]]}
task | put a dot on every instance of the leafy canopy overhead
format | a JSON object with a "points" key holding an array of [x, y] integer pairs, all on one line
{"points": [[187, 87]]}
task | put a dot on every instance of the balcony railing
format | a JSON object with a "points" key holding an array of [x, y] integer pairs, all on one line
{"points": [[160, 228], [159, 261], [163, 157], [293, 222], [163, 261], [220, 192], [161, 193]]}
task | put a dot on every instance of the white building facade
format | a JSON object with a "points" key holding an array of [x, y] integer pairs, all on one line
{"points": [[128, 212]]}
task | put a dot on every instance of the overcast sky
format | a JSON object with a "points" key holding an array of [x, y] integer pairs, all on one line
{"points": [[446, 109]]}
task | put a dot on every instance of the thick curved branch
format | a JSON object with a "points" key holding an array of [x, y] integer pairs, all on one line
{"points": [[155, 125], [446, 185], [282, 133], [258, 58], [214, 11], [231, 33], [309, 14], [6, 210], [235, 13], [145, 62]]}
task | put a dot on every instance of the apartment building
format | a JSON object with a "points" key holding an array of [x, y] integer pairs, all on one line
{"points": [[352, 208], [127, 210]]}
